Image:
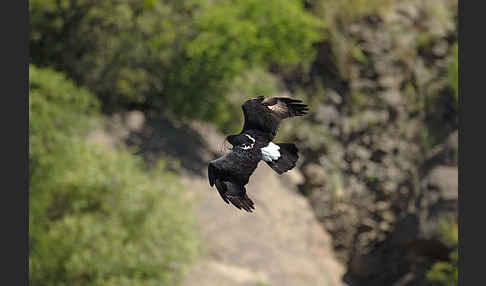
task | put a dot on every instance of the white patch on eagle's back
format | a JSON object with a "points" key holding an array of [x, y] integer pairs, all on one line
{"points": [[270, 152]]}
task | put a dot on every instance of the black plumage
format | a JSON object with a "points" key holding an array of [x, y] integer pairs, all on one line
{"points": [[265, 114], [231, 172]]}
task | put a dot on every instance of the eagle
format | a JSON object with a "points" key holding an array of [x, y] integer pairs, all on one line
{"points": [[231, 172]]}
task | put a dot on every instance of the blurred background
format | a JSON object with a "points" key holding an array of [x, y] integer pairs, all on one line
{"points": [[129, 100]]}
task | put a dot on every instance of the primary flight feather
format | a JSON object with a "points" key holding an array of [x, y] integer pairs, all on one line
{"points": [[231, 172]]}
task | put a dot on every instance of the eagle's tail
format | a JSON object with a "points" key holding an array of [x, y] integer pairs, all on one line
{"points": [[286, 161]]}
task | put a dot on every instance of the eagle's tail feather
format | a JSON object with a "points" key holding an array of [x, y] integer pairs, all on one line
{"points": [[287, 160]]}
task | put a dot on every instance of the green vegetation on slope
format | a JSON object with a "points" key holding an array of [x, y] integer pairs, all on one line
{"points": [[453, 72], [178, 57], [96, 216], [121, 50], [381, 77], [446, 273], [233, 37]]}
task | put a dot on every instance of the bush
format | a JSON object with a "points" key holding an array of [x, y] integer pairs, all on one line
{"points": [[96, 216], [453, 72], [446, 273], [58, 110], [120, 50], [179, 57], [232, 38]]}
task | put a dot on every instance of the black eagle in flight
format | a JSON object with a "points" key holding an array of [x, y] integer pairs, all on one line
{"points": [[231, 172]]}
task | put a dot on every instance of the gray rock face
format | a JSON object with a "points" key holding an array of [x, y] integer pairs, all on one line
{"points": [[444, 181], [381, 149], [439, 200]]}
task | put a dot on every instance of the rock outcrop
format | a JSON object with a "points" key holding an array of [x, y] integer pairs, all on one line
{"points": [[380, 143]]}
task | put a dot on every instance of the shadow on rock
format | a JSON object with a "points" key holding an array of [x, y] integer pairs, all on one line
{"points": [[158, 138]]}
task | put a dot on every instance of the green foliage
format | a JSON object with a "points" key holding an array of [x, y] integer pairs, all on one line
{"points": [[453, 72], [174, 56], [96, 216], [56, 105], [252, 32], [121, 50], [450, 232], [235, 36], [446, 273], [98, 219]]}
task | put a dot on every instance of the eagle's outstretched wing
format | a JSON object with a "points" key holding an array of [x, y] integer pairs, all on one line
{"points": [[265, 114], [231, 172]]}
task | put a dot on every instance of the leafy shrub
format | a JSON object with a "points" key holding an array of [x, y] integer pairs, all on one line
{"points": [[174, 56], [96, 216], [58, 110], [453, 71], [446, 273], [233, 37], [121, 50]]}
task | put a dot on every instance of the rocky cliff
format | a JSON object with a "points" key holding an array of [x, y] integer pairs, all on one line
{"points": [[381, 144]]}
